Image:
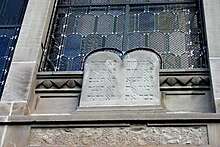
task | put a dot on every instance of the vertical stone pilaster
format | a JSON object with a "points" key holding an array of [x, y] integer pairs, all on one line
{"points": [[20, 84], [212, 19]]}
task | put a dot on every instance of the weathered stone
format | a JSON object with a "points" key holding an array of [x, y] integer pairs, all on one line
{"points": [[110, 81], [119, 136]]}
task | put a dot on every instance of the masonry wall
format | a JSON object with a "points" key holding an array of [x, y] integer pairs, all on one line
{"points": [[34, 113]]}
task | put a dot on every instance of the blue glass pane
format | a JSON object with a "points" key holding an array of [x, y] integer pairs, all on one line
{"points": [[146, 22], [3, 46], [75, 63], [72, 45], [63, 63], [11, 12], [2, 63]]}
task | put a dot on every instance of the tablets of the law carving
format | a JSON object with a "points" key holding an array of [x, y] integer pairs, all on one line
{"points": [[131, 79]]}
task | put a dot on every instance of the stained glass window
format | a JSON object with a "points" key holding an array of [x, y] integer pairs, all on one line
{"points": [[173, 28], [11, 14]]}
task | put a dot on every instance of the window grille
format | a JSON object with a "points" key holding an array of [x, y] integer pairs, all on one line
{"points": [[172, 27], [11, 14]]}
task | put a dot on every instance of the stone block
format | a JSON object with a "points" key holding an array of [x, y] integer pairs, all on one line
{"points": [[215, 72], [19, 108], [217, 105], [182, 101], [139, 135], [214, 133], [212, 20], [5, 108], [17, 136], [19, 81], [58, 105], [33, 31]]}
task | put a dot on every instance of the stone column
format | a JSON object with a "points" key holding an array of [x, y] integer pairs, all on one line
{"points": [[212, 20]]}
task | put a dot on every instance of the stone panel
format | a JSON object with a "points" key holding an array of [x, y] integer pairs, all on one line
{"points": [[16, 136], [212, 20], [19, 82], [215, 72], [5, 108], [56, 105], [111, 81], [191, 101], [119, 136]]}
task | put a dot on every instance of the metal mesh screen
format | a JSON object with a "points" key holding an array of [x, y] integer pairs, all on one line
{"points": [[172, 28]]}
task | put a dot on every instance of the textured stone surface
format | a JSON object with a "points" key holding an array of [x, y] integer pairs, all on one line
{"points": [[111, 81], [16, 136], [119, 136], [19, 81]]}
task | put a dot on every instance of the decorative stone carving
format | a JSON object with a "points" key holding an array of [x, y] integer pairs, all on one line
{"points": [[59, 84], [111, 81], [119, 136]]}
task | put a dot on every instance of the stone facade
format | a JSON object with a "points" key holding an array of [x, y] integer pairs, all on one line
{"points": [[41, 109], [119, 136]]}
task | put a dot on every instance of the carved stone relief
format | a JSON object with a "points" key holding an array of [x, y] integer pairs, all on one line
{"points": [[111, 81]]}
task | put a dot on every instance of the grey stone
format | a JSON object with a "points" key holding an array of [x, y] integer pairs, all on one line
{"points": [[110, 81], [191, 101], [138, 135], [215, 72], [56, 105], [214, 133], [5, 108], [33, 31], [19, 108], [19, 81], [212, 20], [17, 136]]}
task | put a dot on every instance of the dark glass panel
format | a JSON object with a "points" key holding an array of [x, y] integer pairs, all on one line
{"points": [[75, 63], [156, 41], [121, 24], [183, 21], [72, 45], [114, 41], [185, 61], [136, 40], [105, 24], [146, 22], [93, 41], [177, 43], [169, 60], [11, 11], [166, 22], [4, 41], [86, 24]]}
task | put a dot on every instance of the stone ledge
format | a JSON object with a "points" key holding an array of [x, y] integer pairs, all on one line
{"points": [[116, 116]]}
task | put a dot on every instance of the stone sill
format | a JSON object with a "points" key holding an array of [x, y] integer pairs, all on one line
{"points": [[113, 116], [162, 72]]}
